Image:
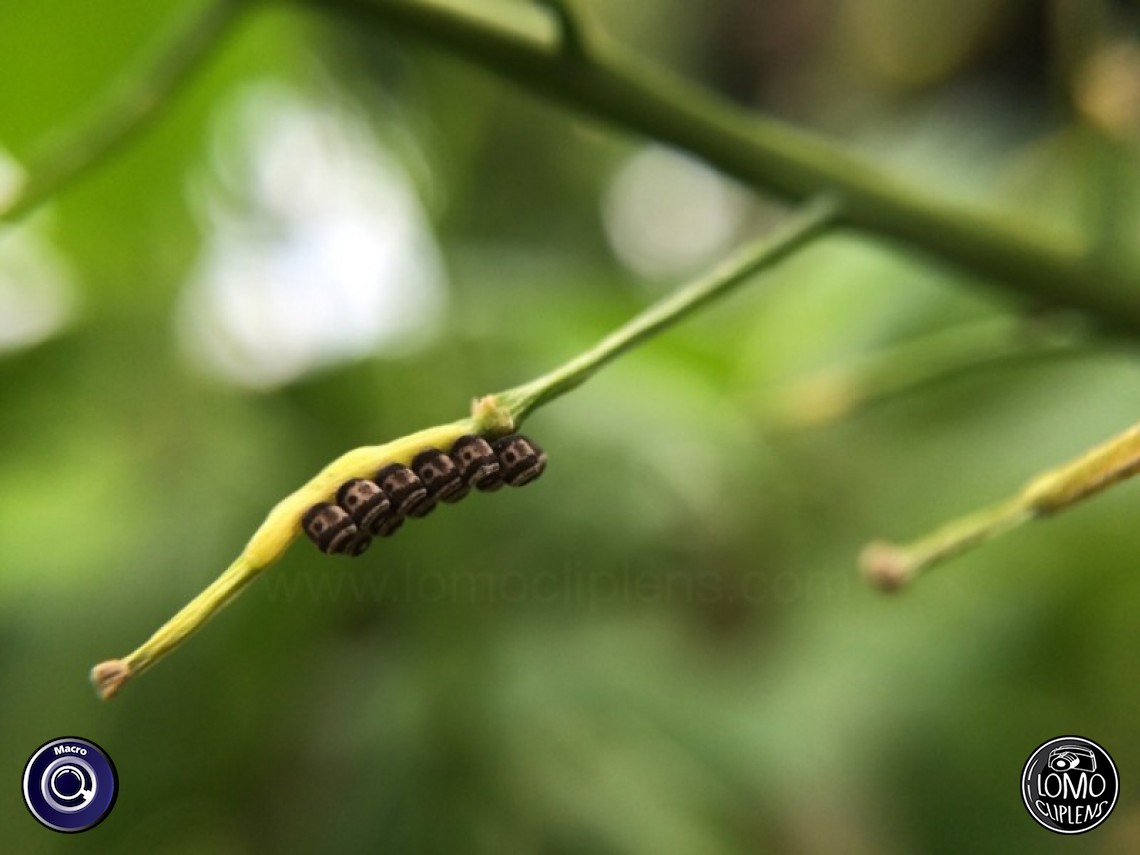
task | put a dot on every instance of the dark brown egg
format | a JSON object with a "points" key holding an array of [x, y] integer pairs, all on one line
{"points": [[520, 459], [477, 464], [406, 492], [369, 507], [440, 475], [331, 528]]}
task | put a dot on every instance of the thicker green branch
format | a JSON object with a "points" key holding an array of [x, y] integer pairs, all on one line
{"points": [[127, 110], [573, 28], [615, 86]]}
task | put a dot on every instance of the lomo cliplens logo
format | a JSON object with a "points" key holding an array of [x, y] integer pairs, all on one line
{"points": [[1070, 785]]}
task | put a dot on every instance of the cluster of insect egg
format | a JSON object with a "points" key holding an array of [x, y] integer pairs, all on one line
{"points": [[376, 508]]}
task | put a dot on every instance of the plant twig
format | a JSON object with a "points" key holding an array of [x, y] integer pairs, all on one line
{"points": [[127, 110], [572, 24], [492, 415], [612, 84], [873, 378], [889, 566], [812, 219], [274, 536]]}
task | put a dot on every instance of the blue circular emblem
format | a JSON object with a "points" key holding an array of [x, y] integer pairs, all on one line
{"points": [[70, 784]]}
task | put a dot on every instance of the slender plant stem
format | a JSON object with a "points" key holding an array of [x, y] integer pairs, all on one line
{"points": [[129, 109], [612, 84], [813, 219], [492, 415], [889, 566], [895, 371]]}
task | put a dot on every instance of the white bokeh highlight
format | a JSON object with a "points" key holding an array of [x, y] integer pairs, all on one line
{"points": [[38, 294], [668, 214], [317, 250]]}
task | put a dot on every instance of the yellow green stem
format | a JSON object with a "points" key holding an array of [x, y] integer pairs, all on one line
{"points": [[493, 415], [889, 566], [280, 528]]}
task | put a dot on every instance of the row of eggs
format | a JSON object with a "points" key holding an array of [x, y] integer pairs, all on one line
{"points": [[376, 507]]}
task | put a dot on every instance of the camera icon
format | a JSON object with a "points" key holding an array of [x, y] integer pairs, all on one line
{"points": [[1072, 758]]}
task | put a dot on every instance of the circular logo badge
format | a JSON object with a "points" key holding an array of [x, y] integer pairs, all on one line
{"points": [[70, 784], [1069, 785]]}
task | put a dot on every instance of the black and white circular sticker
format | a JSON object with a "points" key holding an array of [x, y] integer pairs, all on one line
{"points": [[70, 784], [1070, 785]]}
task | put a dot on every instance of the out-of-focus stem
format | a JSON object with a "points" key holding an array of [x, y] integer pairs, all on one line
{"points": [[610, 82], [860, 382], [127, 110], [889, 566]]}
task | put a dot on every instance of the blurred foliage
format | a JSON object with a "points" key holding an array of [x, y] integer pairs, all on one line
{"points": [[662, 646]]}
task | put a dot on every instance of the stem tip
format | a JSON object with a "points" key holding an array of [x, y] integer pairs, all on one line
{"points": [[886, 565], [108, 677]]}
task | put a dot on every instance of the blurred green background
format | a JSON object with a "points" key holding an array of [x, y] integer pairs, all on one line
{"points": [[663, 646]]}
